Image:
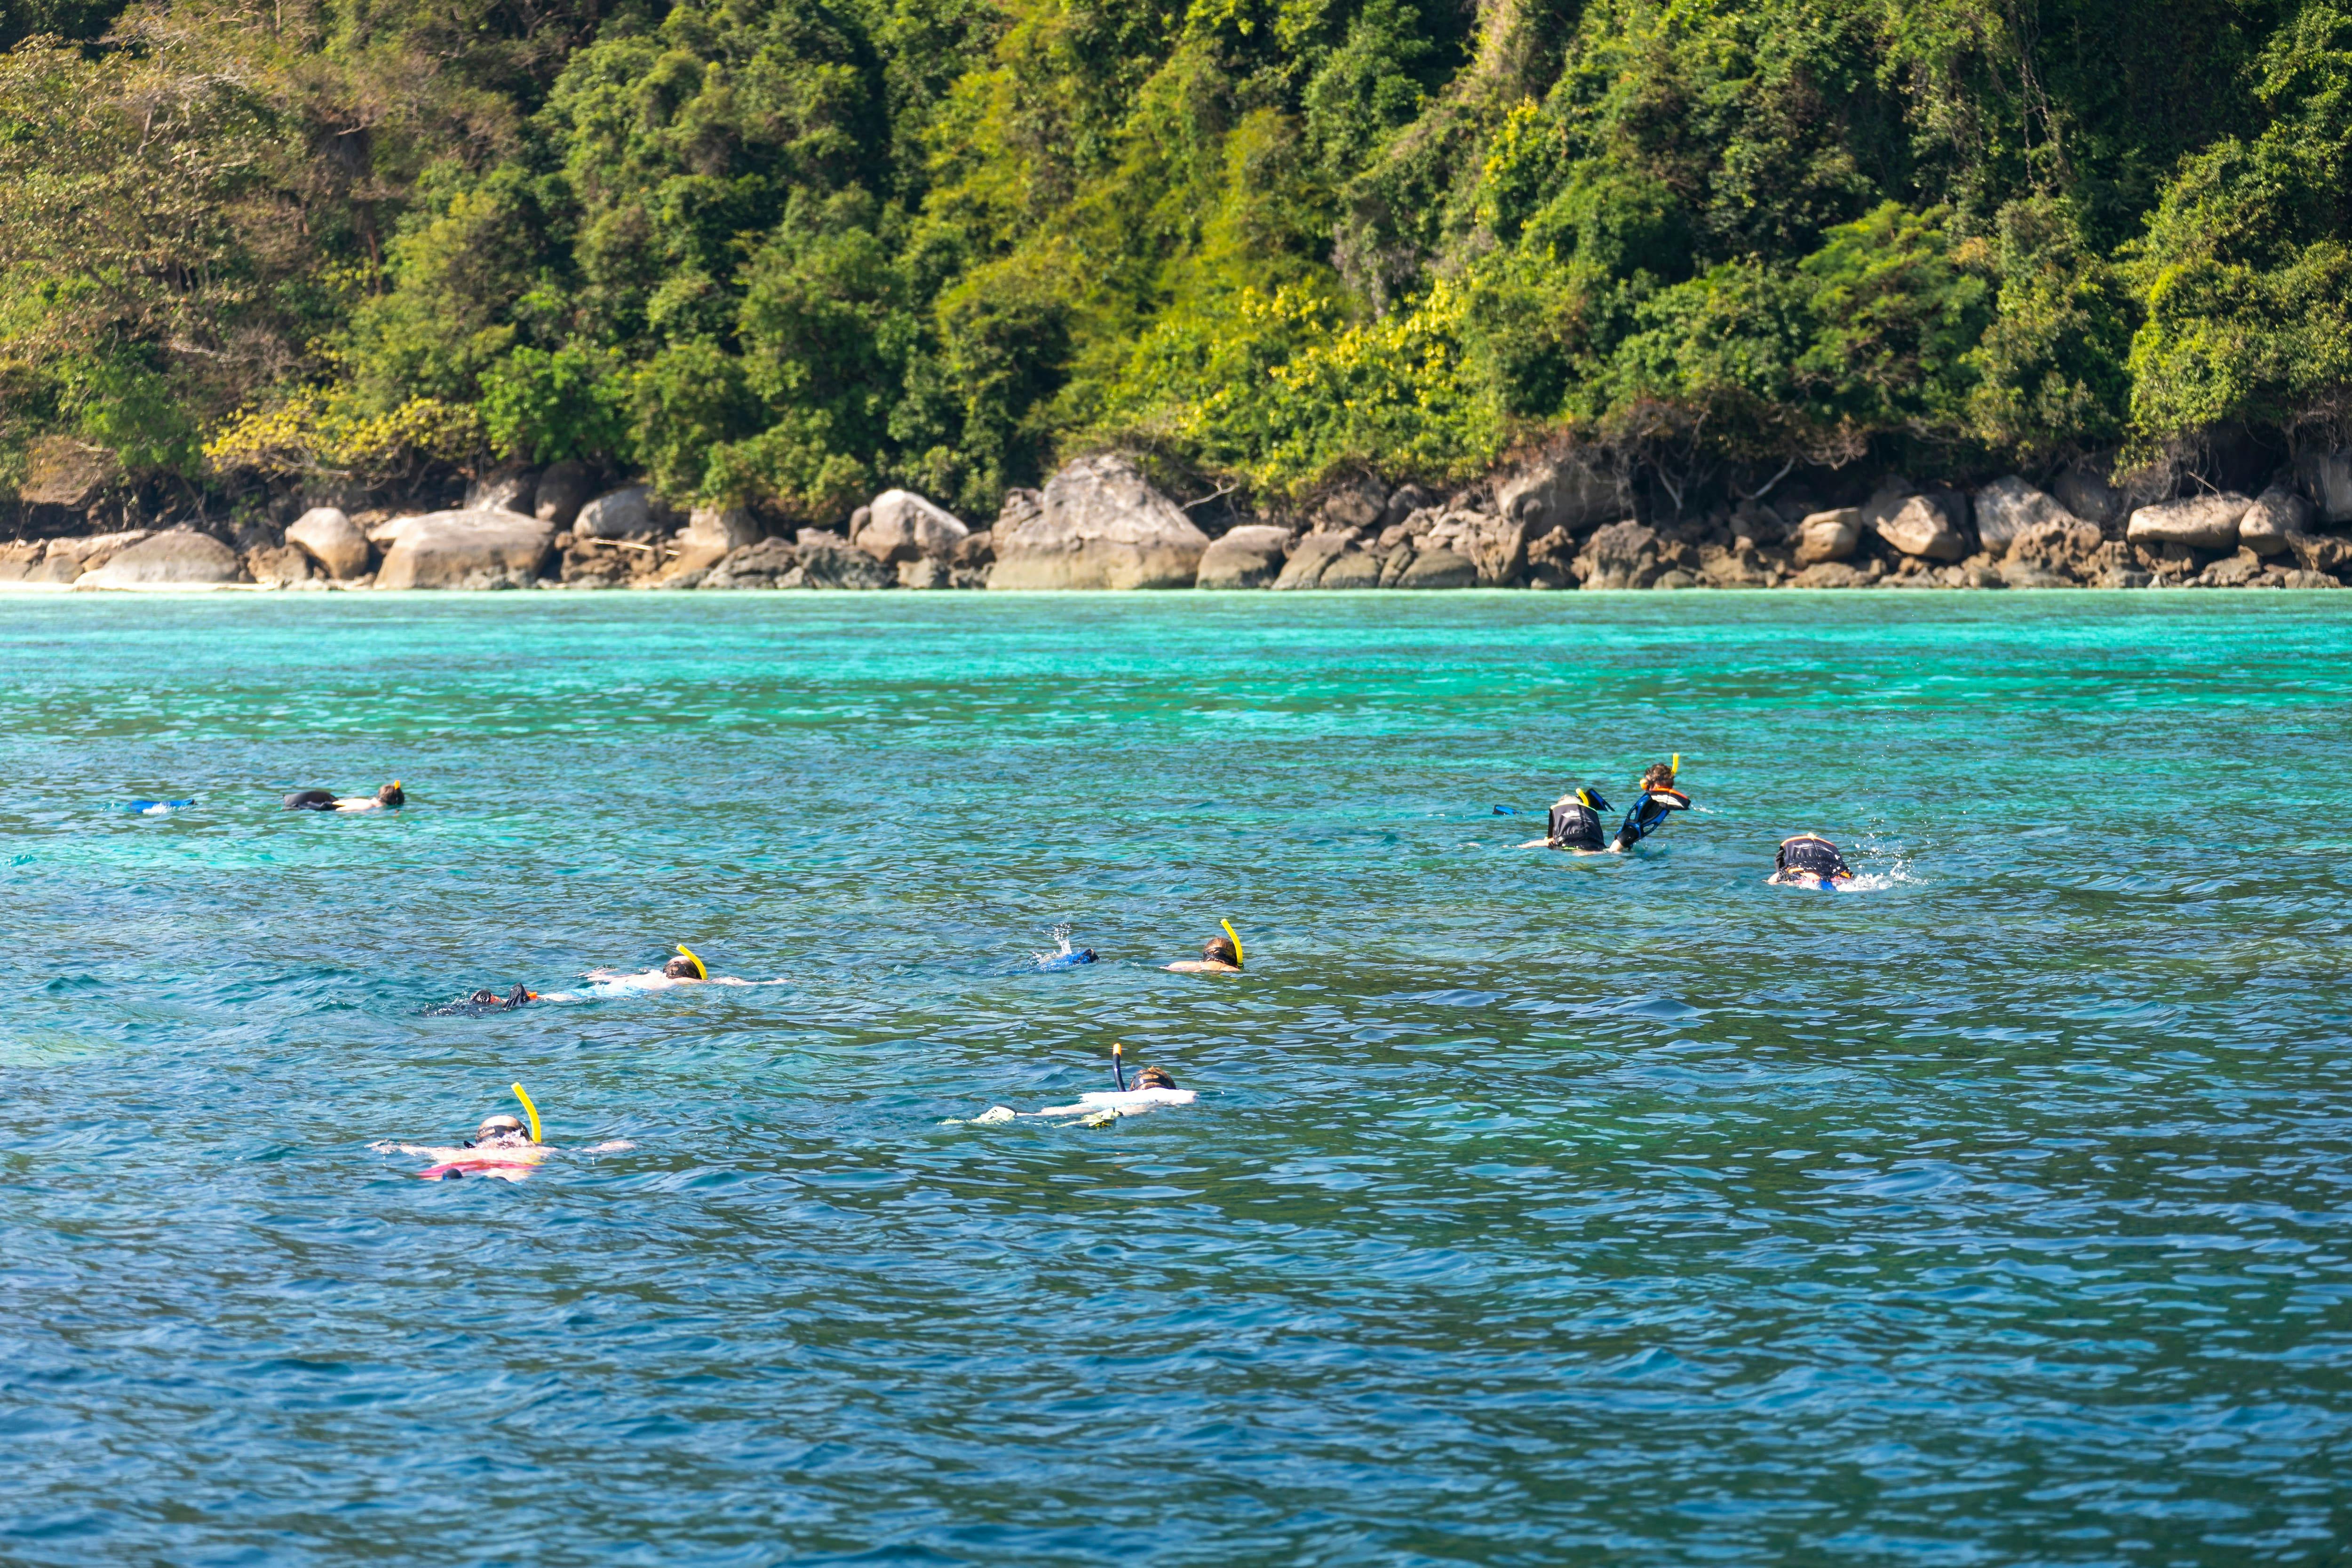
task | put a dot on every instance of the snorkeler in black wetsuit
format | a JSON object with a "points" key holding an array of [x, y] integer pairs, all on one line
{"points": [[389, 797], [1576, 823], [1809, 858], [483, 1001], [1660, 799]]}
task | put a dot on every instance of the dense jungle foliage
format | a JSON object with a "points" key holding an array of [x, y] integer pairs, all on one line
{"points": [[787, 251]]}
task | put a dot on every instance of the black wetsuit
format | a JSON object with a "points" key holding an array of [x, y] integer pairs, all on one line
{"points": [[1808, 856], [1576, 823], [311, 800], [1649, 814], [480, 1002]]}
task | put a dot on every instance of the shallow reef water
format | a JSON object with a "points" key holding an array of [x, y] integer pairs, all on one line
{"points": [[1535, 1208]]}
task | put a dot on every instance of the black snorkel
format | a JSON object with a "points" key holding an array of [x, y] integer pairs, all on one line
{"points": [[1118, 1071]]}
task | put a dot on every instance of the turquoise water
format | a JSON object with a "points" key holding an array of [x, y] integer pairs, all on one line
{"points": [[1534, 1209]]}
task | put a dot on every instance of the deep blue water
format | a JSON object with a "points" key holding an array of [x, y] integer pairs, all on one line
{"points": [[1535, 1210]]}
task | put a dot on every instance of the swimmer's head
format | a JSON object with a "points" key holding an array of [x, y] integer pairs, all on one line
{"points": [[1659, 777], [391, 795], [497, 1132], [1220, 950], [484, 999], [682, 968], [1155, 1078]]}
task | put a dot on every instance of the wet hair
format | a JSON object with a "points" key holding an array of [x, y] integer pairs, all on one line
{"points": [[681, 968], [497, 1127], [391, 795], [1155, 1078], [1221, 949], [1659, 777]]}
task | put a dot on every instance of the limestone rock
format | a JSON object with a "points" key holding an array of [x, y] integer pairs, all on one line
{"points": [[2326, 478], [181, 558], [1439, 569], [508, 488], [1358, 503], [617, 515], [2008, 506], [563, 489], [828, 562], [1247, 557], [2277, 513], [1828, 536], [278, 566], [2086, 492], [69, 558], [1312, 555], [2313, 552], [62, 472], [1100, 525], [1353, 569], [1496, 546], [1562, 493], [1915, 525], [902, 526], [329, 537], [2199, 522], [466, 550]]}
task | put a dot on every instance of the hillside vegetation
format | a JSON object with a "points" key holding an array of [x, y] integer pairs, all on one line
{"points": [[786, 251]]}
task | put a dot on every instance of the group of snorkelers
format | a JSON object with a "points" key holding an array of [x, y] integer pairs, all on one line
{"points": [[1576, 825]]}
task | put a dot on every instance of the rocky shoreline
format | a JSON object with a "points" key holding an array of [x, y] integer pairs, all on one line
{"points": [[1560, 522]]}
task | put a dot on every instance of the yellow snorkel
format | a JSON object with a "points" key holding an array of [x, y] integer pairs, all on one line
{"points": [[700, 969], [1674, 768], [532, 1110], [1236, 937]]}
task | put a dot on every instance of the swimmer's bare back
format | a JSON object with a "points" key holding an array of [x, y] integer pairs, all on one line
{"points": [[1204, 966]]}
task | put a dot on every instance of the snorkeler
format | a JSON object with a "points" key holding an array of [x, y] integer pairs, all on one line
{"points": [[499, 1148], [1153, 1087], [483, 1001], [686, 969], [1219, 955], [1067, 957], [388, 798], [1575, 824], [1660, 799], [1808, 859]]}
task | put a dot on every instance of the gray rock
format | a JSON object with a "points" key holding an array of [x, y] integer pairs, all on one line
{"points": [[760, 564], [2031, 574], [329, 537], [724, 528], [2086, 492], [1406, 500], [69, 558], [278, 566], [1498, 546], [2125, 577], [2277, 514], [2200, 522], [828, 563], [508, 488], [902, 526], [466, 550], [2008, 506], [1307, 561], [926, 572], [1352, 568], [1917, 526], [1358, 504], [2299, 578], [1247, 557], [1828, 536], [2326, 478], [1676, 577], [2328, 553], [563, 489], [1831, 574], [617, 515], [1101, 526], [182, 558], [1563, 493]]}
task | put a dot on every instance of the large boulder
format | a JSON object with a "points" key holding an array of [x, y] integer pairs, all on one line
{"points": [[2326, 553], [1623, 555], [902, 526], [329, 537], [1355, 505], [2072, 551], [617, 514], [1100, 525], [1828, 536], [467, 549], [2085, 492], [1915, 525], [1310, 555], [2200, 522], [2277, 514], [2326, 478], [182, 558], [1496, 546], [1354, 568], [563, 489], [2008, 506], [1439, 569], [828, 560], [509, 487], [1562, 493], [62, 472], [1247, 557], [68, 559], [278, 566]]}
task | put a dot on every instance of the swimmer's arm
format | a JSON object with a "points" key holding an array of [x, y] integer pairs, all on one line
{"points": [[610, 1146], [1201, 967], [1533, 844]]}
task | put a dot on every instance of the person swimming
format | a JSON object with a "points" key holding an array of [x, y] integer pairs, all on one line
{"points": [[1808, 860], [686, 969], [1219, 955], [483, 1001], [1153, 1088], [388, 798], [1067, 957], [1660, 799], [1574, 824], [500, 1147]]}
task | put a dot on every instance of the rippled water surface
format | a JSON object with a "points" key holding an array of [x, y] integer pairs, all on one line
{"points": [[1534, 1209]]}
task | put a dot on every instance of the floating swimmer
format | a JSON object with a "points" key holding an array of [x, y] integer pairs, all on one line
{"points": [[1808, 859], [1575, 824], [1219, 955], [1069, 956], [686, 969], [1660, 799], [388, 798], [483, 1001], [158, 808], [1154, 1087], [499, 1148]]}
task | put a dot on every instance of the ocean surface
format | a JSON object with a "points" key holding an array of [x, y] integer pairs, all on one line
{"points": [[1534, 1209]]}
